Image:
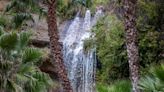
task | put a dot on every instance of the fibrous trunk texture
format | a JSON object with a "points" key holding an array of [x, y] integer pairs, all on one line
{"points": [[132, 41], [55, 46]]}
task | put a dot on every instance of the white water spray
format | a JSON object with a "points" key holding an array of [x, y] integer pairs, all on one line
{"points": [[81, 66]]}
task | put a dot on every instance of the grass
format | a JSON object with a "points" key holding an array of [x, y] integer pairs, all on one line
{"points": [[119, 86]]}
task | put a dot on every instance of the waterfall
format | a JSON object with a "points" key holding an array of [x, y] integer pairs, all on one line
{"points": [[81, 66]]}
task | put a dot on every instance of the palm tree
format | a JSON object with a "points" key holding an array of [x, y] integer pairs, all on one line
{"points": [[19, 71], [131, 41], [23, 10], [55, 46]]}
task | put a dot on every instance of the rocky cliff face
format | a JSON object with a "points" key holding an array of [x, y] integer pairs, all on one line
{"points": [[39, 27], [40, 30]]}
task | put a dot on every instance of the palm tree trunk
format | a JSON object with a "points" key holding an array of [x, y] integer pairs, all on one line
{"points": [[55, 46], [132, 41]]}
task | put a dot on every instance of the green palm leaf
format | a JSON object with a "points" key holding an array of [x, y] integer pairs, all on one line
{"points": [[42, 77], [159, 72], [19, 19], [5, 66], [3, 21], [22, 5], [153, 82], [8, 41], [39, 82], [31, 55], [13, 87], [1, 30], [18, 71], [35, 86], [147, 84], [11, 5], [24, 38], [26, 68], [21, 79]]}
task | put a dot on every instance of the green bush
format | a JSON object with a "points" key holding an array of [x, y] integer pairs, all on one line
{"points": [[153, 82], [149, 33], [19, 70], [3, 21], [21, 11], [111, 50], [110, 43], [102, 87], [119, 86]]}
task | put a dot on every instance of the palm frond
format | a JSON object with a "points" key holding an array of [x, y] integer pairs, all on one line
{"points": [[153, 82], [24, 38], [18, 71], [11, 5], [24, 6], [26, 68], [1, 30], [39, 82], [35, 86], [13, 87], [43, 77], [147, 84], [159, 72], [31, 55], [21, 79], [8, 41], [19, 19], [21, 5], [5, 66], [3, 21]]}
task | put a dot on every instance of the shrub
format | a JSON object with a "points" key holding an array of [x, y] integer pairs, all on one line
{"points": [[153, 82], [19, 70], [119, 86]]}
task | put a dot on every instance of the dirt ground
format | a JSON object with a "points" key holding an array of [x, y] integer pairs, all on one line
{"points": [[3, 4]]}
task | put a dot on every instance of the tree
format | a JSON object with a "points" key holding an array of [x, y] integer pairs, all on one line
{"points": [[24, 10], [131, 41], [18, 65], [55, 46]]}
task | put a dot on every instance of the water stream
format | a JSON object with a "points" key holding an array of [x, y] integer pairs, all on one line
{"points": [[81, 66]]}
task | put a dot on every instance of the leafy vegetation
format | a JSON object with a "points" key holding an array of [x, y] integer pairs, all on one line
{"points": [[109, 35], [119, 86], [19, 70], [111, 49], [154, 82], [19, 63]]}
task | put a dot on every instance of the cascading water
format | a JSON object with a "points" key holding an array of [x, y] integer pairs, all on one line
{"points": [[81, 66]]}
